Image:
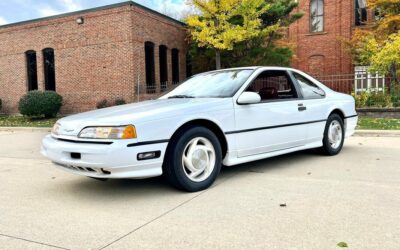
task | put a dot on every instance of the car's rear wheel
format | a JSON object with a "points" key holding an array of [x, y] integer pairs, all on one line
{"points": [[193, 159], [333, 135]]}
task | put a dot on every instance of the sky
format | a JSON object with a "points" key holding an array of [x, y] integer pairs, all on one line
{"points": [[12, 11]]}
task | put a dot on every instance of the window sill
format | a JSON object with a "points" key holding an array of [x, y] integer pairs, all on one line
{"points": [[317, 33]]}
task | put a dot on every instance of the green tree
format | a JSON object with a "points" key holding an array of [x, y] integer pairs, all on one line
{"points": [[223, 23], [266, 49], [379, 45]]}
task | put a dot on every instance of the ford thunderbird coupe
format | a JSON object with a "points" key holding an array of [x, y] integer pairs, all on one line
{"points": [[224, 117]]}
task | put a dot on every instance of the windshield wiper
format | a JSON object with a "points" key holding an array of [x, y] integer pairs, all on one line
{"points": [[180, 96]]}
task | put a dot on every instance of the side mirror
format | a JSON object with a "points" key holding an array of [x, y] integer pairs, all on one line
{"points": [[249, 98]]}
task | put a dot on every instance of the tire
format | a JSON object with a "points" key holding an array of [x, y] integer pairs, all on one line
{"points": [[333, 143], [193, 159]]}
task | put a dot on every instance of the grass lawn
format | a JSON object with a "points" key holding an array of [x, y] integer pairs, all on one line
{"points": [[378, 123], [19, 121]]}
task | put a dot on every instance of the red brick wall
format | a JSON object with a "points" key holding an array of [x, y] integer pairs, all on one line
{"points": [[323, 53], [149, 27], [100, 59]]}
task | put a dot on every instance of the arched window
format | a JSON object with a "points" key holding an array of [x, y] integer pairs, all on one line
{"points": [[162, 51], [49, 69], [316, 16], [175, 65], [31, 68], [149, 65]]}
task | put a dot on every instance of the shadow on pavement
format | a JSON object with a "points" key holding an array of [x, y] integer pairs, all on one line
{"points": [[116, 189]]}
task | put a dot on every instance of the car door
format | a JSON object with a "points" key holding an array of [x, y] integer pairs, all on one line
{"points": [[316, 107], [276, 122]]}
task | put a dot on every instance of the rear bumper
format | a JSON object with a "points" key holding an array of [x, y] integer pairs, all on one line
{"points": [[351, 124], [104, 161]]}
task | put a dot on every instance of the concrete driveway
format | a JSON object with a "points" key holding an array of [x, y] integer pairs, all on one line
{"points": [[353, 197]]}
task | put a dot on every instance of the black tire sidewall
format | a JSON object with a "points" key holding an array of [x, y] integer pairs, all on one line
{"points": [[326, 145], [176, 169]]}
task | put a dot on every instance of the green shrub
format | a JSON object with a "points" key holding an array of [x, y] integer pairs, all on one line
{"points": [[395, 93], [379, 99], [102, 104], [119, 102], [361, 99], [40, 104]]}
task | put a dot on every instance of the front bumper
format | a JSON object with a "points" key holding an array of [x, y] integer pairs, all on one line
{"points": [[116, 160]]}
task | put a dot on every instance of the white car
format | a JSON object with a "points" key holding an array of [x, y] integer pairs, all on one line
{"points": [[228, 117]]}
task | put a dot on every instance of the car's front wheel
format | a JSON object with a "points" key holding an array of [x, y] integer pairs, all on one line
{"points": [[193, 159], [333, 135]]}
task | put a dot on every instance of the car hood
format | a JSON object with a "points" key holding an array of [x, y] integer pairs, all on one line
{"points": [[142, 112]]}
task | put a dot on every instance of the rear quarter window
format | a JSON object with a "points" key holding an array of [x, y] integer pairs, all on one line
{"points": [[309, 89]]}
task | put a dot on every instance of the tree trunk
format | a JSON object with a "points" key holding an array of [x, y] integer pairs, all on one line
{"points": [[217, 59]]}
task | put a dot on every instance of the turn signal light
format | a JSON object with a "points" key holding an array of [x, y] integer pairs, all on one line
{"points": [[129, 132]]}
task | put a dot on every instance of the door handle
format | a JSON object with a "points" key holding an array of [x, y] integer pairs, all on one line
{"points": [[302, 107]]}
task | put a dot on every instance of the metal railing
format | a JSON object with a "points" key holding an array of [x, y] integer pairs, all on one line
{"points": [[357, 83], [146, 91]]}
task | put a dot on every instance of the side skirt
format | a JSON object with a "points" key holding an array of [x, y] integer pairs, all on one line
{"points": [[231, 158]]}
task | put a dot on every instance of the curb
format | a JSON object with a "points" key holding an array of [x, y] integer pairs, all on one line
{"points": [[377, 133], [24, 129]]}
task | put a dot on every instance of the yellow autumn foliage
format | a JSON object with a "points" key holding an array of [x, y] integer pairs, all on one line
{"points": [[213, 26], [379, 45]]}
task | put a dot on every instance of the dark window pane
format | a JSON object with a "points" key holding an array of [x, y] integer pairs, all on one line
{"points": [[49, 69], [175, 65], [163, 66], [189, 72], [150, 70], [31, 66], [360, 12]]}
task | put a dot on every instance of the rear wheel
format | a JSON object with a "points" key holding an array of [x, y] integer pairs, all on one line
{"points": [[333, 135], [193, 159]]}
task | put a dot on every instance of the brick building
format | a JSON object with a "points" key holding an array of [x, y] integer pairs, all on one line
{"points": [[317, 36], [109, 53], [126, 51]]}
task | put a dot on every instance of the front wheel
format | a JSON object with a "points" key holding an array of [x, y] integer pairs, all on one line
{"points": [[193, 159], [333, 135]]}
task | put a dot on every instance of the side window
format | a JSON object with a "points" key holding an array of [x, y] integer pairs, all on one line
{"points": [[273, 85], [309, 89]]}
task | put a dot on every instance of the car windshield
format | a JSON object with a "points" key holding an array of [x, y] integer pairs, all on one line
{"points": [[218, 84]]}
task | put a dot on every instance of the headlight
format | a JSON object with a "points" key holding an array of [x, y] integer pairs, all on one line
{"points": [[123, 132], [55, 129]]}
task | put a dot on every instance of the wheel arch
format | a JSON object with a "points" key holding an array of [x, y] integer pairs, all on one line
{"points": [[340, 113], [215, 128]]}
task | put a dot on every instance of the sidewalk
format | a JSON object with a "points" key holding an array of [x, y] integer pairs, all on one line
{"points": [[24, 129], [352, 197]]}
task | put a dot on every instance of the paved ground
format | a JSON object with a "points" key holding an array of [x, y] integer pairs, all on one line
{"points": [[353, 197]]}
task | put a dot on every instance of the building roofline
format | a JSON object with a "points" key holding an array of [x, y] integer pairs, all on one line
{"points": [[105, 7]]}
